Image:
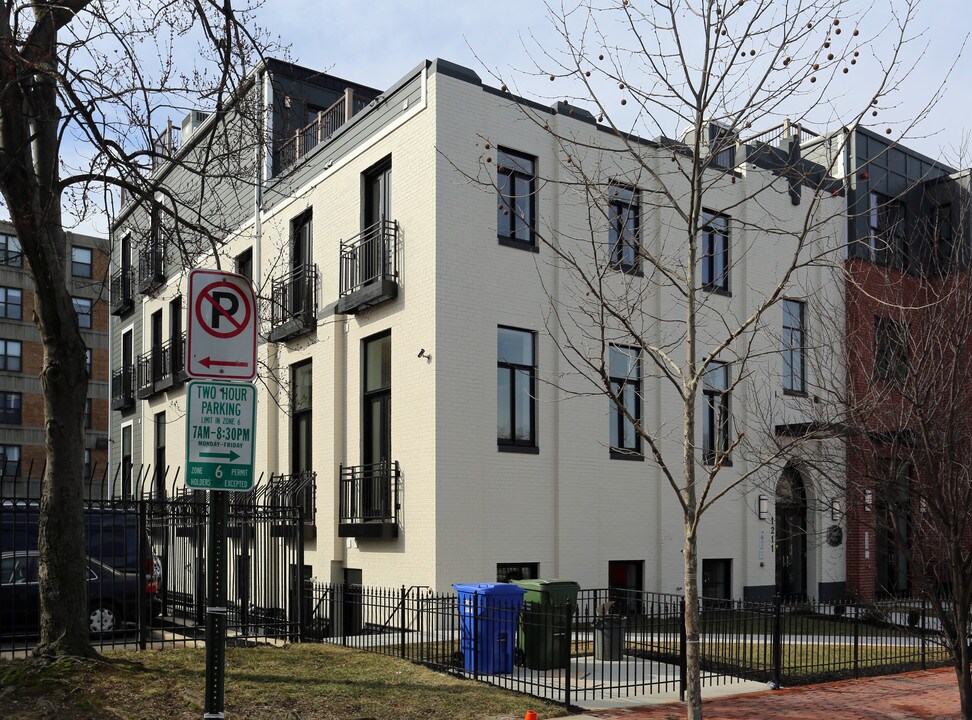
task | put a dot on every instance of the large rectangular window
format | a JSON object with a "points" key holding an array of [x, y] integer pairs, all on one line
{"points": [[10, 460], [11, 352], [11, 303], [161, 465], [10, 408], [624, 370], [508, 572], [890, 349], [88, 414], [10, 252], [794, 372], [301, 445], [516, 184], [624, 214], [715, 423], [244, 264], [887, 239], [715, 251], [81, 262], [82, 307], [515, 388]]}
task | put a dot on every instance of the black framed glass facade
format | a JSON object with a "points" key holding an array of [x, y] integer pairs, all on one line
{"points": [[81, 262], [624, 213], [10, 253], [516, 388], [11, 303], [11, 355], [715, 251], [83, 308], [794, 348], [624, 370], [516, 204], [716, 422], [10, 408]]}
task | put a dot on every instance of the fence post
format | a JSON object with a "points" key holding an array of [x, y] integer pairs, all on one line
{"points": [[778, 641], [921, 629], [401, 618], [569, 639], [144, 604], [682, 651], [475, 644], [857, 638], [344, 611], [301, 588]]}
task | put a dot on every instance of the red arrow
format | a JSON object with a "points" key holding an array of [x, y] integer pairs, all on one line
{"points": [[208, 362]]}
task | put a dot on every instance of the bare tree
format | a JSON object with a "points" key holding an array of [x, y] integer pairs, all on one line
{"points": [[645, 276], [85, 84]]}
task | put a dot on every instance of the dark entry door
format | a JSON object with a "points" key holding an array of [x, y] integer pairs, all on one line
{"points": [[377, 210], [791, 535], [376, 436]]}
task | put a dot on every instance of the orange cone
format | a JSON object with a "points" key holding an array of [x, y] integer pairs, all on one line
{"points": [[531, 715]]}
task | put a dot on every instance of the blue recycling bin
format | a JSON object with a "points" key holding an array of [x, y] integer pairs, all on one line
{"points": [[488, 616]]}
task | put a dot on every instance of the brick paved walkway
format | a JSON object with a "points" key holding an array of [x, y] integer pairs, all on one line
{"points": [[924, 695]]}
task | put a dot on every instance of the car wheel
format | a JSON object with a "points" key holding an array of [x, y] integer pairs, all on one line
{"points": [[103, 619]]}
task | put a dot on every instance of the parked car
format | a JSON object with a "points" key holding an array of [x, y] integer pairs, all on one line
{"points": [[112, 596]]}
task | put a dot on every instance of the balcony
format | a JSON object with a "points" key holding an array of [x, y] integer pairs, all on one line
{"points": [[120, 292], [161, 368], [369, 268], [151, 270], [123, 388], [294, 304], [296, 489], [320, 130], [369, 501]]}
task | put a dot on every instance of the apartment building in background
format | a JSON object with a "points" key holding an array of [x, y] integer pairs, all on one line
{"points": [[22, 455], [414, 397]]}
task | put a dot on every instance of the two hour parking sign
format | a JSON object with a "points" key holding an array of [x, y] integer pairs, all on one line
{"points": [[221, 342]]}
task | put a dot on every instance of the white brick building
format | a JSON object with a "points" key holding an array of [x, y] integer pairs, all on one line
{"points": [[383, 371]]}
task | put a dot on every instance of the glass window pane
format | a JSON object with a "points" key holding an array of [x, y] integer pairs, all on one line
{"points": [[523, 401], [522, 199], [514, 346], [378, 363], [504, 420], [302, 387], [623, 362], [716, 378]]}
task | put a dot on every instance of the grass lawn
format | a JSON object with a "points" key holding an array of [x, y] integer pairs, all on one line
{"points": [[296, 682]]}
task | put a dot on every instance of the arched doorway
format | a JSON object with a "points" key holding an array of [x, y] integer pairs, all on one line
{"points": [[791, 534]]}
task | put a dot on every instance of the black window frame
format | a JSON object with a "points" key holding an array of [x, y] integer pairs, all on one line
{"points": [[891, 345], [77, 265], [794, 347], [508, 572], [887, 238], [88, 413], [11, 408], [508, 166], [87, 361], [244, 264], [6, 356], [10, 468], [717, 416], [6, 305], [8, 257], [301, 422], [89, 313], [512, 444], [618, 420], [624, 202], [710, 251]]}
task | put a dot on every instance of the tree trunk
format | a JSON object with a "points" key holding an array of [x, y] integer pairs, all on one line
{"points": [[963, 657], [693, 683]]}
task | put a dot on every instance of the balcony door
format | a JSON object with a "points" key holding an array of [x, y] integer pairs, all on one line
{"points": [[175, 333], [376, 429], [377, 209], [157, 367], [301, 258]]}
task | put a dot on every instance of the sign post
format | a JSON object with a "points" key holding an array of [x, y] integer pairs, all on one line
{"points": [[220, 432]]}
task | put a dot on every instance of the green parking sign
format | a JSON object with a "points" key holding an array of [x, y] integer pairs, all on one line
{"points": [[219, 435]]}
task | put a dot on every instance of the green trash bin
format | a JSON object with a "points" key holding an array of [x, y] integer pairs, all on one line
{"points": [[543, 623]]}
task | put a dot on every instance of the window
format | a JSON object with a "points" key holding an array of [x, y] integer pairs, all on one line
{"points": [[515, 389], [508, 572], [11, 303], [516, 202], [81, 262], [890, 349], [10, 460], [88, 414], [161, 467], [624, 370], [794, 373], [87, 464], [942, 234], [626, 580], [10, 406], [301, 441], [715, 424], [625, 217], [715, 251], [126, 462], [244, 264], [10, 252], [82, 306], [887, 239], [716, 579], [87, 361], [10, 355]]}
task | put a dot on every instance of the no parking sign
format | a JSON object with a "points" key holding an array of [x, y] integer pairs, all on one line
{"points": [[222, 326]]}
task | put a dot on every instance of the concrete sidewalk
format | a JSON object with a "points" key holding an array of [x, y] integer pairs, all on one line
{"points": [[922, 695]]}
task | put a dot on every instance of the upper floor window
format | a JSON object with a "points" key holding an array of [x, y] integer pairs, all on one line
{"points": [[10, 252], [10, 460], [11, 352], [624, 214], [625, 374], [715, 423], [244, 264], [11, 303], [87, 361], [10, 408], [515, 388], [890, 349], [794, 372], [82, 307], [516, 184], [887, 240], [88, 413], [715, 251], [81, 262]]}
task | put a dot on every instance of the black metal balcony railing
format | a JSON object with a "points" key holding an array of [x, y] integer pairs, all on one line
{"points": [[299, 488], [321, 128], [123, 388], [294, 303], [151, 269], [161, 368], [120, 292], [369, 268], [369, 500]]}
